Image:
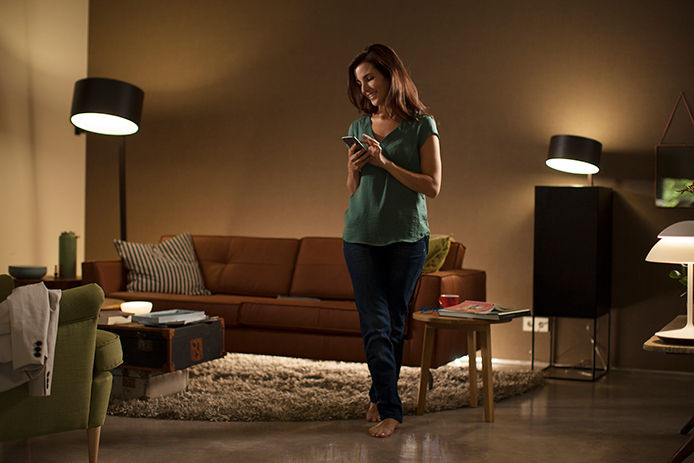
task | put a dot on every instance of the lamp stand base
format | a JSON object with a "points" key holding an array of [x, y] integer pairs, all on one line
{"points": [[682, 334]]}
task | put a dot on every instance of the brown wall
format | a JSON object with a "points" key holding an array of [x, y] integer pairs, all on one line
{"points": [[245, 103], [43, 51]]}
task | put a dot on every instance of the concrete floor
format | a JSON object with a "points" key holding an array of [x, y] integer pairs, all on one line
{"points": [[623, 417]]}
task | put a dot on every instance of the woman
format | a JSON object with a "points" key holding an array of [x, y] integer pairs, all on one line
{"points": [[386, 231]]}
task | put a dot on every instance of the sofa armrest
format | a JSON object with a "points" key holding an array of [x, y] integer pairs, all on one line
{"points": [[467, 283], [448, 344], [109, 274], [108, 353], [80, 303]]}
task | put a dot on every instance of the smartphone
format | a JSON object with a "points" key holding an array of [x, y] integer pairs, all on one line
{"points": [[352, 140]]}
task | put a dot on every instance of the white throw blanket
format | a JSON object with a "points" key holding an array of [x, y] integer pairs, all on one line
{"points": [[28, 329]]}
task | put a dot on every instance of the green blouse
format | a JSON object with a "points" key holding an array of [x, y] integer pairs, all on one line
{"points": [[382, 210]]}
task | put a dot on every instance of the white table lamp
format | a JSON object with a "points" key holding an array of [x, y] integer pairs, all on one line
{"points": [[676, 246], [136, 307]]}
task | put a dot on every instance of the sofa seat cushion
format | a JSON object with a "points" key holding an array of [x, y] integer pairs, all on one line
{"points": [[321, 270], [267, 312], [216, 305], [325, 317]]}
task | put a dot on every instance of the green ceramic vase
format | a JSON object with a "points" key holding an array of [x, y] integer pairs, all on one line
{"points": [[67, 255]]}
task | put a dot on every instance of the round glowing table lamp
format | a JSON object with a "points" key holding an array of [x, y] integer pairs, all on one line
{"points": [[136, 307], [676, 246]]}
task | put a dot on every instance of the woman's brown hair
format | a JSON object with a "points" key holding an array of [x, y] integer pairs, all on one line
{"points": [[402, 100]]}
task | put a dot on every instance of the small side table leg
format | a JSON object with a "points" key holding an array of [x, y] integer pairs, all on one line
{"points": [[683, 452], [427, 351], [487, 377], [687, 427], [472, 366]]}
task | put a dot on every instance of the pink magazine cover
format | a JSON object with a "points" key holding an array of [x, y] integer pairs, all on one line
{"points": [[472, 306]]}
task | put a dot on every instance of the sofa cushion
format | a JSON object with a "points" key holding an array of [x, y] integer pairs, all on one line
{"points": [[239, 310], [246, 266], [321, 270], [224, 306], [328, 317], [438, 251], [167, 267]]}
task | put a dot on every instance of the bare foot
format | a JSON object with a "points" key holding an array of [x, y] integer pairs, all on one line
{"points": [[372, 415], [385, 428]]}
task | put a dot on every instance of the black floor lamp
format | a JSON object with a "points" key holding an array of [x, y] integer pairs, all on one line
{"points": [[108, 107], [572, 258]]}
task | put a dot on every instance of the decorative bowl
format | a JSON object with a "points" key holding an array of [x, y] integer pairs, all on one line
{"points": [[136, 307], [27, 272]]}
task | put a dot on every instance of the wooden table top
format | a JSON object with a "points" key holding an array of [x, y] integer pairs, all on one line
{"points": [[111, 304], [656, 344], [435, 319]]}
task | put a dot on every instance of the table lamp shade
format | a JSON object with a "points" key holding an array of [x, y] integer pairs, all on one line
{"points": [[675, 244], [574, 154], [106, 106]]}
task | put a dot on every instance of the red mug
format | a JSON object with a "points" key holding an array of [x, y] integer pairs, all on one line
{"points": [[447, 300]]}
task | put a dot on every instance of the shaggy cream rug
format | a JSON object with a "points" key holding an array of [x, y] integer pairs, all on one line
{"points": [[245, 387]]}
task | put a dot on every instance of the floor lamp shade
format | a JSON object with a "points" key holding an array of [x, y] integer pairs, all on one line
{"points": [[109, 107], [574, 154], [106, 106]]}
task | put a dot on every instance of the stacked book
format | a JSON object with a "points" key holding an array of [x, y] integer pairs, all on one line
{"points": [[482, 311], [113, 317], [175, 317]]}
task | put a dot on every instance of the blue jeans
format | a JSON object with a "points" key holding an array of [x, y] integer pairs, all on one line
{"points": [[384, 278]]}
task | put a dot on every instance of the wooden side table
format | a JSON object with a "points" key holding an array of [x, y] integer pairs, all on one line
{"points": [[655, 344], [481, 328]]}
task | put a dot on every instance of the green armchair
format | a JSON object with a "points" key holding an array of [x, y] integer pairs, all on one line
{"points": [[82, 379]]}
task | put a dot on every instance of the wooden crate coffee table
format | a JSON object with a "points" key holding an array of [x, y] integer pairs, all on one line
{"points": [[481, 328], [155, 360]]}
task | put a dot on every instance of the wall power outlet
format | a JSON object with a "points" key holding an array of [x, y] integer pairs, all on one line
{"points": [[541, 324]]}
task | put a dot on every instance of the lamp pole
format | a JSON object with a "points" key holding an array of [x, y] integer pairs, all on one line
{"points": [[121, 188], [108, 107], [690, 305]]}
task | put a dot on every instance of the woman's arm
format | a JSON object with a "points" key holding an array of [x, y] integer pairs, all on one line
{"points": [[428, 182]]}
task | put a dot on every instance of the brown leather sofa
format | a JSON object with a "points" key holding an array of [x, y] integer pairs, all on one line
{"points": [[293, 297]]}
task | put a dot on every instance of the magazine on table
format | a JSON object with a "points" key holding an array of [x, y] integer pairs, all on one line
{"points": [[170, 317], [482, 310]]}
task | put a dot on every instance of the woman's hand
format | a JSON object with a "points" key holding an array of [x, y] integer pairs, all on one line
{"points": [[356, 158], [428, 182], [375, 153]]}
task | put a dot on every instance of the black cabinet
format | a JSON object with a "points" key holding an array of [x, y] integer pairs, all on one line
{"points": [[573, 251], [572, 256]]}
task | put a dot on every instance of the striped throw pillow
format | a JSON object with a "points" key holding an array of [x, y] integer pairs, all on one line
{"points": [[167, 267]]}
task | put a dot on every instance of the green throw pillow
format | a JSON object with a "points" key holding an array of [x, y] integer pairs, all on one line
{"points": [[438, 250]]}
